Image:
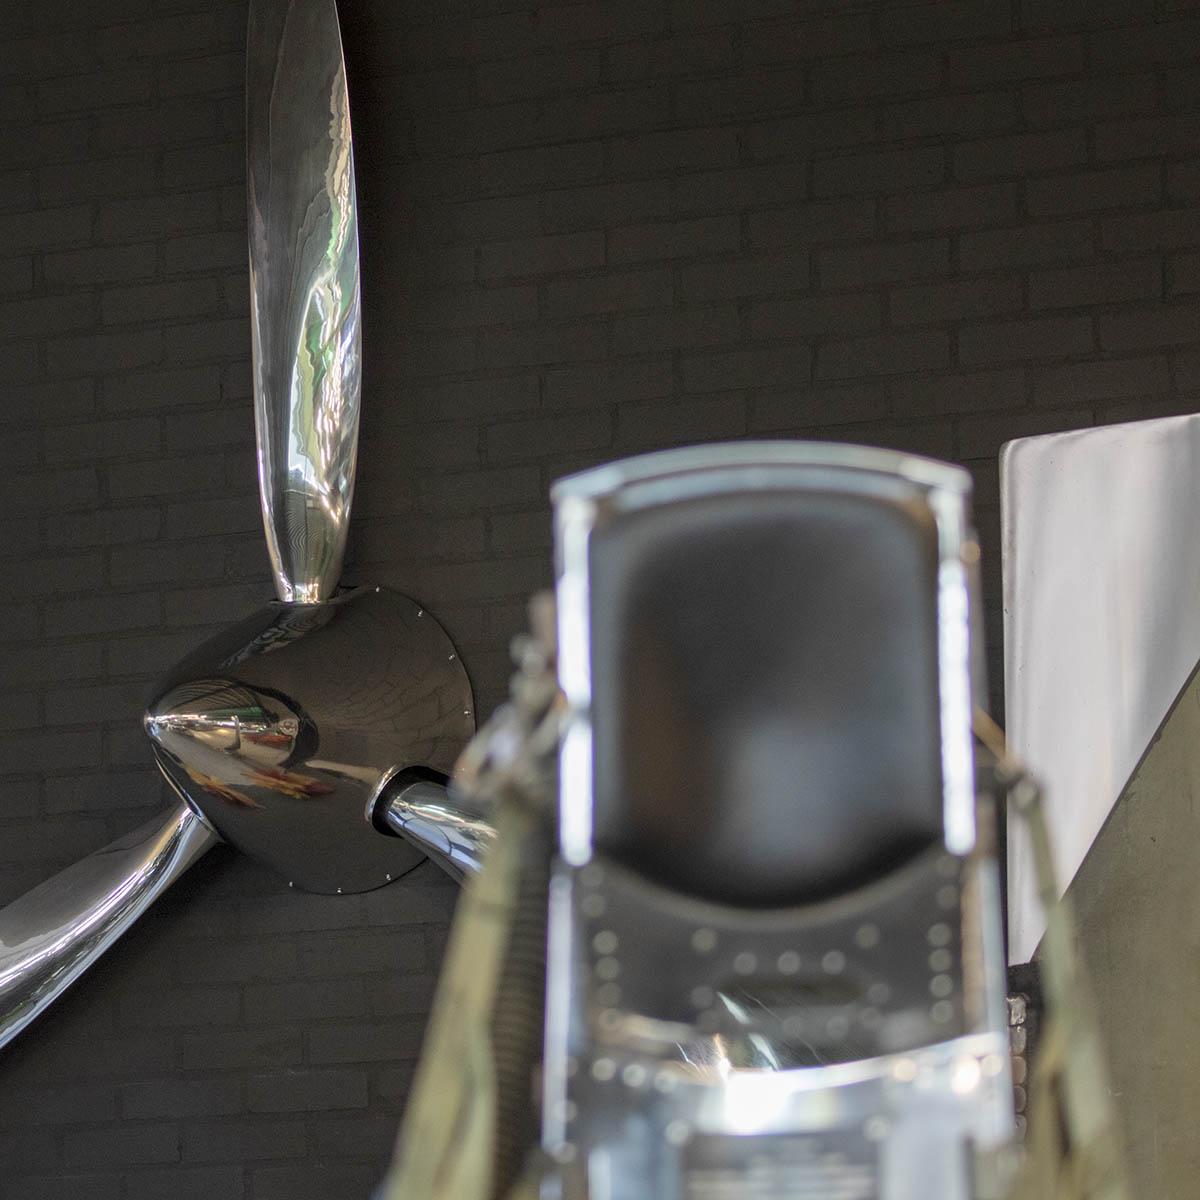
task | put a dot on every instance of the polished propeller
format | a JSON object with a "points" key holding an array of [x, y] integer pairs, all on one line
{"points": [[326, 719]]}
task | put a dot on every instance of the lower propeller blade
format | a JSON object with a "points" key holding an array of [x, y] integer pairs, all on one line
{"points": [[52, 934]]}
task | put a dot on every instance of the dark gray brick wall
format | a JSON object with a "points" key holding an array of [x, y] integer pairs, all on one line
{"points": [[591, 228]]}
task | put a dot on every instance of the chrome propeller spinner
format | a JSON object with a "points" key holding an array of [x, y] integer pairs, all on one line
{"points": [[293, 734]]}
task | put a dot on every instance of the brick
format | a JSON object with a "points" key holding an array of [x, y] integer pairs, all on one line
{"points": [[314, 1181], [179, 1008], [894, 73], [187, 1183], [349, 1137], [72, 183], [883, 354], [204, 340], [241, 1049], [1017, 155], [686, 53], [16, 275], [64, 1187], [194, 77], [123, 1145], [808, 224], [603, 20], [153, 216], [642, 427], [542, 256], [63, 1104], [92, 440], [1150, 44], [460, 307], [1096, 283], [47, 663], [678, 239], [549, 73], [1088, 191], [17, 189], [943, 22], [779, 411], [102, 614], [800, 136], [150, 302], [45, 576], [950, 115], [1083, 101], [542, 344], [798, 38], [982, 437], [883, 262], [986, 204], [879, 171], [1165, 229], [533, 167], [203, 252], [46, 228], [53, 492], [728, 280], [102, 352], [165, 477], [163, 388], [785, 366], [1012, 341], [1147, 137], [677, 327], [99, 264], [1027, 245], [965, 392], [765, 89], [41, 315], [1163, 325], [625, 292], [306, 1091], [362, 1042], [670, 151], [510, 533], [604, 205], [472, 220], [1106, 379], [491, 580], [741, 187], [607, 383], [817, 316], [94, 793], [181, 1098], [244, 1141], [1014, 61], [580, 430], [955, 300], [1185, 273]]}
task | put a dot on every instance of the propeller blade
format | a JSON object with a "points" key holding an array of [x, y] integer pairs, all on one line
{"points": [[304, 284], [53, 933]]}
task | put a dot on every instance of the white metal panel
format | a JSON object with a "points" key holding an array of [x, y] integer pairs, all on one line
{"points": [[1101, 546]]}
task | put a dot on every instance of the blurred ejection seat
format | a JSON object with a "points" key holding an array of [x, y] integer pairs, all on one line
{"points": [[774, 964]]}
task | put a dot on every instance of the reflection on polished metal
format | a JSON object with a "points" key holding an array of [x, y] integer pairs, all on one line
{"points": [[283, 730], [53, 933], [774, 956], [1102, 628], [425, 813], [304, 281]]}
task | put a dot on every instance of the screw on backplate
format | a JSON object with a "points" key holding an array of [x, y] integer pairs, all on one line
{"points": [[291, 884], [388, 878], [450, 658], [339, 891]]}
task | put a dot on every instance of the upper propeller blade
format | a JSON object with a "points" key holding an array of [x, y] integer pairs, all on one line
{"points": [[304, 283]]}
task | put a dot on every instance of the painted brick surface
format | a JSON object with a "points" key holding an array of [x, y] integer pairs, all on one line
{"points": [[591, 228]]}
